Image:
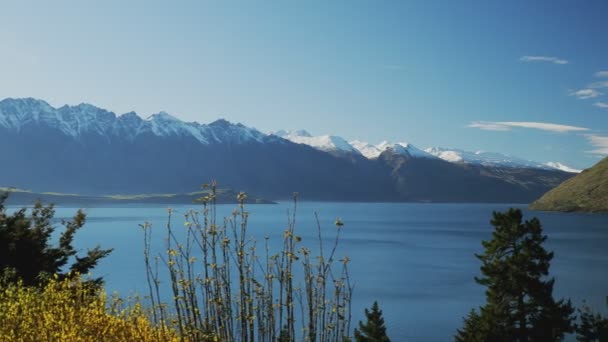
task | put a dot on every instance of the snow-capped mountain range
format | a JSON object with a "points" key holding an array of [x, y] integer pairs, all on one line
{"points": [[373, 151], [337, 144], [86, 149], [484, 158], [75, 121]]}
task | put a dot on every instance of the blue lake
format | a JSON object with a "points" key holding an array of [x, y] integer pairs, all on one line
{"points": [[416, 260]]}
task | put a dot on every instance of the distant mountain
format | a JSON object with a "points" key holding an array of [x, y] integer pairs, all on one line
{"points": [[374, 151], [326, 143], [587, 191], [490, 159], [86, 149], [560, 166], [339, 146], [83, 121], [434, 179]]}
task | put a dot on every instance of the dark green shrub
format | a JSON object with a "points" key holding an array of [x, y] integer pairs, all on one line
{"points": [[26, 252]]}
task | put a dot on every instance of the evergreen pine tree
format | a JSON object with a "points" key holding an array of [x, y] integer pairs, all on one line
{"points": [[477, 329], [26, 252], [374, 329], [519, 297], [593, 327]]}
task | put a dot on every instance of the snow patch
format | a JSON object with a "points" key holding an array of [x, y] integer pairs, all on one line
{"points": [[562, 167], [373, 151], [326, 143], [368, 150]]}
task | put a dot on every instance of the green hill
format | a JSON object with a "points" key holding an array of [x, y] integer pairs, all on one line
{"points": [[588, 192]]}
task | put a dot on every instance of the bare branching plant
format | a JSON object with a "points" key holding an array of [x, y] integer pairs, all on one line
{"points": [[223, 289]]}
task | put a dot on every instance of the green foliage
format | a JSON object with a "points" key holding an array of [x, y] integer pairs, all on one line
{"points": [[477, 329], [519, 297], [26, 252], [374, 329], [593, 327], [284, 335]]}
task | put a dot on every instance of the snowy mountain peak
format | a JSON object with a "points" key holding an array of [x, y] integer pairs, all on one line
{"points": [[26, 108], [373, 151], [129, 116], [452, 156], [368, 150], [562, 167], [221, 123], [226, 132], [83, 119], [389, 146], [163, 116], [129, 120], [164, 124], [404, 148], [85, 107], [484, 158], [326, 143], [16, 113], [23, 103]]}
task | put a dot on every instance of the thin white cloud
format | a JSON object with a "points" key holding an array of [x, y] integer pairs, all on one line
{"points": [[508, 125], [602, 105], [601, 84], [547, 59], [599, 142], [489, 126], [586, 93], [545, 126], [601, 74]]}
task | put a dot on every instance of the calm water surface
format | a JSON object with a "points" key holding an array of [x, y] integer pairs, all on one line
{"points": [[417, 260]]}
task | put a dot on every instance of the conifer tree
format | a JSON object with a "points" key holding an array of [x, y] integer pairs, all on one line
{"points": [[593, 327], [26, 252], [519, 296], [374, 329]]}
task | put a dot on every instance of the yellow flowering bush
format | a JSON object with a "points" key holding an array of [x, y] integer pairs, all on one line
{"points": [[71, 310]]}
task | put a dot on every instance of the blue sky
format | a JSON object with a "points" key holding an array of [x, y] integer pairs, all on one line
{"points": [[528, 78]]}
